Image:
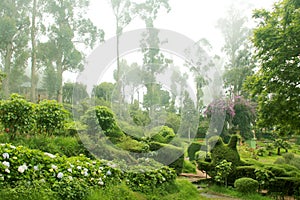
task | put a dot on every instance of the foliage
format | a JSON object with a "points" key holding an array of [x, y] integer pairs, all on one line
{"points": [[73, 93], [285, 186], [239, 61], [17, 115], [239, 114], [104, 91], [290, 159], [246, 185], [223, 169], [227, 152], [69, 177], [14, 39], [245, 116], [107, 122], [162, 134], [50, 117], [264, 177], [276, 82], [188, 167], [192, 149]]}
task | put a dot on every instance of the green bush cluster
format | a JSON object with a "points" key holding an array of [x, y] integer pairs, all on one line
{"points": [[20, 116], [50, 116], [162, 134], [70, 176], [246, 185], [17, 115]]}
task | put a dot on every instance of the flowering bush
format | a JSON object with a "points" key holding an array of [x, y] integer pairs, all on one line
{"points": [[71, 176]]}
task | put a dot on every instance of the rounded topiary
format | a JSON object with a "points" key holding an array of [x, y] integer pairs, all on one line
{"points": [[246, 185]]}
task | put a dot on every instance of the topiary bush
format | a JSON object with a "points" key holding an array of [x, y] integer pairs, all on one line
{"points": [[246, 185], [107, 122], [162, 134], [192, 149], [17, 115]]}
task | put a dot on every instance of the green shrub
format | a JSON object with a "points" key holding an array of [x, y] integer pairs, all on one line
{"points": [[276, 170], [245, 171], [50, 117], [228, 152], [128, 144], [188, 167], [17, 115], [108, 124], [168, 154], [246, 185], [285, 186], [162, 134], [192, 149]]}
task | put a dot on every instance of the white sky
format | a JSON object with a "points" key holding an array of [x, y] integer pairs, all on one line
{"points": [[195, 19]]}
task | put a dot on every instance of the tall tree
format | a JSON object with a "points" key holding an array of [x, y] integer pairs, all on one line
{"points": [[14, 37], [123, 13], [70, 26], [153, 61], [239, 64], [276, 84]]}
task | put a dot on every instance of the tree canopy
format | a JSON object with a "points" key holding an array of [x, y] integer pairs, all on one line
{"points": [[276, 84]]}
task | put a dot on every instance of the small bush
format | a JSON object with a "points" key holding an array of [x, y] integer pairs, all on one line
{"points": [[17, 115], [162, 134], [50, 117], [193, 148], [246, 185], [188, 167]]}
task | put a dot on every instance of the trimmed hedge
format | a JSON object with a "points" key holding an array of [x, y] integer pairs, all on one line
{"points": [[246, 185]]}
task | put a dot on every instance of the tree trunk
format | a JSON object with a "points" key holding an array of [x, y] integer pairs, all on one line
{"points": [[7, 66], [278, 151], [59, 83], [33, 55]]}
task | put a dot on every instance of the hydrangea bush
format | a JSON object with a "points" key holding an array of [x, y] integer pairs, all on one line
{"points": [[70, 176]]}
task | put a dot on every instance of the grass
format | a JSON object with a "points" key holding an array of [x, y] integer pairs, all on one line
{"points": [[180, 190], [217, 190]]}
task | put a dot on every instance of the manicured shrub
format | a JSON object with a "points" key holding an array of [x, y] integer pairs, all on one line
{"points": [[17, 115], [285, 186], [192, 149], [245, 171], [50, 117], [162, 134], [108, 124], [128, 144], [228, 152], [168, 154], [246, 185]]}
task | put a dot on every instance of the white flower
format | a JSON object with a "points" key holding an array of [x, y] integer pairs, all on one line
{"points": [[70, 178], [69, 170], [54, 167], [79, 167], [5, 163], [13, 147], [86, 173], [100, 182], [35, 167], [108, 173], [22, 168], [5, 155], [71, 165], [101, 168], [85, 169], [7, 170], [60, 175], [50, 155]]}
